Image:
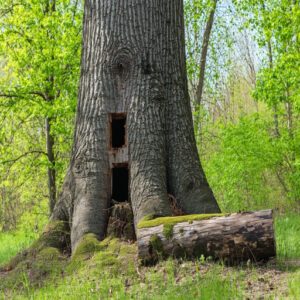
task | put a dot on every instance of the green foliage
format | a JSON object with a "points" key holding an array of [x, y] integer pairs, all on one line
{"points": [[40, 46], [247, 126], [252, 170], [220, 44], [249, 138], [236, 171]]}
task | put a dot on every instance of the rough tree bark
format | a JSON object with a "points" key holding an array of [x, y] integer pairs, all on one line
{"points": [[133, 62], [52, 161]]}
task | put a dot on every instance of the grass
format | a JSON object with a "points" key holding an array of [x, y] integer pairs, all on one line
{"points": [[161, 282], [114, 272], [119, 279], [287, 230], [12, 243]]}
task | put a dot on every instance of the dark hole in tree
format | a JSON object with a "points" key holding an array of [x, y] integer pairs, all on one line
{"points": [[118, 131], [120, 184]]}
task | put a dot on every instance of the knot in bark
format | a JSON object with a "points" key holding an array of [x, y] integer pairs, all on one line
{"points": [[121, 63]]}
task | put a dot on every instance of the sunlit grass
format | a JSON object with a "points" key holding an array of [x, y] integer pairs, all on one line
{"points": [[167, 280], [294, 285], [12, 243], [287, 232]]}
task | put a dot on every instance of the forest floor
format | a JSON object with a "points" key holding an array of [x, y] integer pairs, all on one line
{"points": [[115, 273]]}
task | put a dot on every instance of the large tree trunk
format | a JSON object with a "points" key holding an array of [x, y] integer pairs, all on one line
{"points": [[133, 62]]}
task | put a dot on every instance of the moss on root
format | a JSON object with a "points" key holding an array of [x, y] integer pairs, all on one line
{"points": [[36, 266], [89, 243], [56, 235], [111, 253], [149, 217], [146, 222]]}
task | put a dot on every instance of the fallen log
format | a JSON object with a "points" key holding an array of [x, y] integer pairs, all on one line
{"points": [[232, 238]]}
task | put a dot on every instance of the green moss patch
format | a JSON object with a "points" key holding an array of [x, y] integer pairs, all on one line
{"points": [[149, 217], [56, 235], [111, 254], [146, 223], [156, 244], [89, 243], [168, 231], [36, 267]]}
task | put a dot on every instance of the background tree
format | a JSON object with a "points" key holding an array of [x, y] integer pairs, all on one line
{"points": [[40, 50], [236, 61]]}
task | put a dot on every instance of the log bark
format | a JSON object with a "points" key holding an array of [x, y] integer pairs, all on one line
{"points": [[233, 238]]}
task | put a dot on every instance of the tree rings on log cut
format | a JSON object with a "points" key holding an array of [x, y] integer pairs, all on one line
{"points": [[232, 238]]}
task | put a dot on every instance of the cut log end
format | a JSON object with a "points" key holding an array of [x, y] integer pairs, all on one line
{"points": [[232, 238]]}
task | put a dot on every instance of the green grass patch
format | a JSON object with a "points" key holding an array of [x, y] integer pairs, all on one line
{"points": [[12, 243], [294, 285], [167, 280], [110, 269], [287, 233]]}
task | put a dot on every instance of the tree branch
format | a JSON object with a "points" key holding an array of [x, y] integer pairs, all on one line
{"points": [[22, 95], [23, 155]]}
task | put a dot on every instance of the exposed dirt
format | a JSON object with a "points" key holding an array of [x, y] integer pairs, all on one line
{"points": [[261, 283]]}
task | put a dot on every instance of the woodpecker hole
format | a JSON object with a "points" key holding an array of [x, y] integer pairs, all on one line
{"points": [[120, 179], [118, 131]]}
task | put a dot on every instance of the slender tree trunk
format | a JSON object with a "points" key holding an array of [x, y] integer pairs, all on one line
{"points": [[275, 108], [50, 9], [289, 112], [205, 44], [133, 62], [51, 168]]}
